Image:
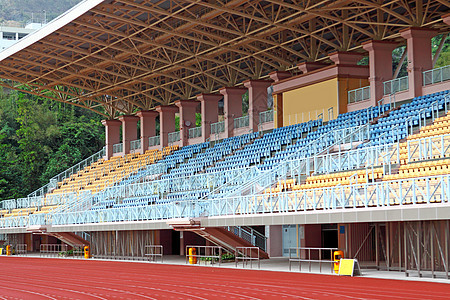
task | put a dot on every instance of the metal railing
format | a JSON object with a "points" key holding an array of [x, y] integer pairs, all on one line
{"points": [[311, 256], [250, 235], [241, 122], [206, 254], [53, 182], [154, 141], [358, 95], [266, 116], [135, 145], [247, 255], [51, 250], [118, 148], [218, 127], [154, 252], [173, 137], [429, 191], [21, 249], [396, 85], [436, 75], [195, 132]]}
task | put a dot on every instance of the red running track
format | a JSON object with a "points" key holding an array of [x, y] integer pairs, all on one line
{"points": [[36, 278]]}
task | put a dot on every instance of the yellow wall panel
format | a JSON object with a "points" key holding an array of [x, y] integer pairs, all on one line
{"points": [[309, 101]]}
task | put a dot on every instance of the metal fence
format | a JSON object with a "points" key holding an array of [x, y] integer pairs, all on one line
{"points": [[266, 116], [313, 257], [195, 132], [358, 95], [53, 250], [154, 252], [118, 148], [206, 254], [396, 85], [21, 249], [241, 122], [173, 137], [218, 127], [247, 255], [135, 145], [436, 75], [154, 141]]}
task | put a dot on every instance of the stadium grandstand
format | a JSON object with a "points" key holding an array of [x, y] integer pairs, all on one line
{"points": [[335, 150]]}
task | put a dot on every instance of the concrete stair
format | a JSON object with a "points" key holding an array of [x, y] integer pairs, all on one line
{"points": [[219, 236]]}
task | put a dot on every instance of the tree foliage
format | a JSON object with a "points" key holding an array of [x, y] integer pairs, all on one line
{"points": [[40, 138]]}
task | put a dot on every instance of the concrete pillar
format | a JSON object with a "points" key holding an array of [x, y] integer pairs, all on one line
{"points": [[278, 110], [279, 75], [112, 135], [148, 126], [129, 131], [210, 112], [274, 234], [166, 122], [257, 100], [345, 58], [187, 110], [446, 19], [380, 67], [309, 66], [232, 106], [418, 45]]}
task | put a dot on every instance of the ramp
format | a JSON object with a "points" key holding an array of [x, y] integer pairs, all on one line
{"points": [[219, 236]]}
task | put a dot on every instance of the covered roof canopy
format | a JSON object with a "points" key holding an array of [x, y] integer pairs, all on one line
{"points": [[120, 56]]}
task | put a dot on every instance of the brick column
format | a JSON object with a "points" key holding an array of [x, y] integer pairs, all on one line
{"points": [[210, 112], [166, 122], [112, 135], [257, 100], [446, 19], [309, 66], [418, 45], [345, 58], [279, 75], [148, 126], [380, 67], [129, 131], [232, 106], [187, 118]]}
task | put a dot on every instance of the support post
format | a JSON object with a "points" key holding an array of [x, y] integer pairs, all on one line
{"points": [[129, 131], [418, 41], [148, 127], [166, 122], [187, 118], [257, 100], [309, 66], [380, 67], [232, 107], [210, 112], [279, 75], [112, 135]]}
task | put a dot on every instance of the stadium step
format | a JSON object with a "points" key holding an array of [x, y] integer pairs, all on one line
{"points": [[69, 238], [219, 236]]}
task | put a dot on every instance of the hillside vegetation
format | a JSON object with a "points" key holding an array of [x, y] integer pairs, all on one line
{"points": [[22, 11]]}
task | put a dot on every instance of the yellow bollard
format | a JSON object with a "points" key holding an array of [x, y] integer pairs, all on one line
{"points": [[8, 250], [87, 252], [337, 255], [192, 257]]}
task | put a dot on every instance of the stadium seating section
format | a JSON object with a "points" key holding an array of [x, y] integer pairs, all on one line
{"points": [[265, 151]]}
